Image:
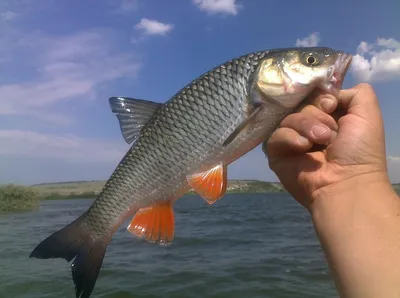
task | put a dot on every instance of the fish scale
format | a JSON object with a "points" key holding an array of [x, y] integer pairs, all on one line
{"points": [[151, 164], [186, 143]]}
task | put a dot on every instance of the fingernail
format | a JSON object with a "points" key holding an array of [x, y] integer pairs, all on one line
{"points": [[333, 136], [319, 130], [302, 140], [327, 104]]}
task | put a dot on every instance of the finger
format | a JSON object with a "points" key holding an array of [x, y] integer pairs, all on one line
{"points": [[285, 141], [312, 112], [361, 100], [310, 127], [338, 113], [322, 100]]}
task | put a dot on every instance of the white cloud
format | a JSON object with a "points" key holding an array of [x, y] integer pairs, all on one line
{"points": [[310, 41], [123, 7], [394, 168], [128, 5], [218, 6], [25, 143], [393, 158], [67, 68], [153, 27], [363, 48], [377, 61], [389, 43], [8, 15]]}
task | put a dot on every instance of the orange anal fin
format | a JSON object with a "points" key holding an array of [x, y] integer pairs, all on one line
{"points": [[211, 184], [154, 223]]}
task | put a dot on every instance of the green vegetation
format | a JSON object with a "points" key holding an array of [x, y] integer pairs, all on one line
{"points": [[72, 195], [69, 190], [18, 198], [253, 186], [14, 197], [90, 189]]}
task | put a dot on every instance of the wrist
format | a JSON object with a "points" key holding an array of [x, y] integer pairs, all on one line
{"points": [[358, 224], [367, 191]]}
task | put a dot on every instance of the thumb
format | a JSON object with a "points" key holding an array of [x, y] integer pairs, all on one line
{"points": [[361, 101]]}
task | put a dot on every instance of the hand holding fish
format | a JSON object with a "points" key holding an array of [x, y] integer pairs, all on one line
{"points": [[346, 188], [355, 144]]}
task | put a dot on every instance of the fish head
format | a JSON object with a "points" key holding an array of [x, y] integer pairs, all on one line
{"points": [[288, 76]]}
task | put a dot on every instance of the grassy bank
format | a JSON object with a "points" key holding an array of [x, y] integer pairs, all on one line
{"points": [[57, 196], [21, 198], [18, 198], [66, 190], [90, 189]]}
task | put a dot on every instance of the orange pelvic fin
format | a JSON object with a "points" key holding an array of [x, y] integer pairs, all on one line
{"points": [[211, 184], [154, 223]]}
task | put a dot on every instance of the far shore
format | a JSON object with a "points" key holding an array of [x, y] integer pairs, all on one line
{"points": [[19, 197], [90, 189]]}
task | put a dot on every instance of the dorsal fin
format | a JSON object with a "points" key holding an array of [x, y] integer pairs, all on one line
{"points": [[132, 114]]}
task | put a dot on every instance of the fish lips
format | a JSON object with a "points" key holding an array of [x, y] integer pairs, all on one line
{"points": [[336, 74]]}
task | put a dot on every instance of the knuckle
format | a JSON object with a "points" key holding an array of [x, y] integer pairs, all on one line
{"points": [[290, 119], [364, 87], [303, 122], [281, 134], [325, 118], [320, 116], [310, 109]]}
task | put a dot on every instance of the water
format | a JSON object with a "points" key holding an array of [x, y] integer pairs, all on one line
{"points": [[260, 245]]}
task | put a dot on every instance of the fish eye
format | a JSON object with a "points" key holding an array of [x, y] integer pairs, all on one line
{"points": [[311, 59]]}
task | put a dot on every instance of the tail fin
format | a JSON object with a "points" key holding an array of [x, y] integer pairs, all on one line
{"points": [[74, 241]]}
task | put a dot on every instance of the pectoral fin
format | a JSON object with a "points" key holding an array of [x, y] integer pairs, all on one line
{"points": [[154, 223], [241, 126], [133, 115], [210, 185]]}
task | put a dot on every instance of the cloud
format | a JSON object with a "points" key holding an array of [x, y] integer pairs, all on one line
{"points": [[229, 7], [123, 7], [128, 5], [393, 158], [63, 69], [393, 163], [26, 143], [363, 48], [8, 15], [153, 27], [310, 41], [377, 61]]}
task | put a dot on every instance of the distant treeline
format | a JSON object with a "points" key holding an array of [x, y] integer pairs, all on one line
{"points": [[18, 198], [72, 195]]}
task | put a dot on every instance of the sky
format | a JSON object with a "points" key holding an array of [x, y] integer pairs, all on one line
{"points": [[60, 61]]}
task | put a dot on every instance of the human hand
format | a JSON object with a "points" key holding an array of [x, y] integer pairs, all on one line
{"points": [[354, 144]]}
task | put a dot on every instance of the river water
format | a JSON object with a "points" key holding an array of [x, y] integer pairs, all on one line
{"points": [[247, 245]]}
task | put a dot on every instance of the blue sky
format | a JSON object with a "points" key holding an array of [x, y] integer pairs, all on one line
{"points": [[60, 61]]}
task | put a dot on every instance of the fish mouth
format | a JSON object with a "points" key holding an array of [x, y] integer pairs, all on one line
{"points": [[336, 74]]}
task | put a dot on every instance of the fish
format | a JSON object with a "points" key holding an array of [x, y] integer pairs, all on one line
{"points": [[188, 143]]}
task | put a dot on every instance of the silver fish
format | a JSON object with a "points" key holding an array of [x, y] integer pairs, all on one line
{"points": [[187, 143]]}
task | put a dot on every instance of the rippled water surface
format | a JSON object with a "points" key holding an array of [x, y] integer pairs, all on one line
{"points": [[248, 245]]}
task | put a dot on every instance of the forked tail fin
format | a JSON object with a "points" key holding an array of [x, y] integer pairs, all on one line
{"points": [[75, 241]]}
